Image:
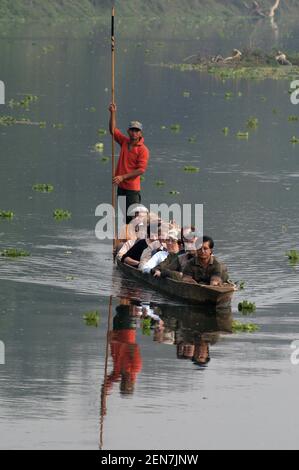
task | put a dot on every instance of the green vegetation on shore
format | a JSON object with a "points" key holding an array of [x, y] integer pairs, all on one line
{"points": [[30, 10], [240, 72]]}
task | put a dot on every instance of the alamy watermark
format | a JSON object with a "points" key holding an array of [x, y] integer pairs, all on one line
{"points": [[185, 215], [295, 93], [295, 353], [2, 92], [2, 353]]}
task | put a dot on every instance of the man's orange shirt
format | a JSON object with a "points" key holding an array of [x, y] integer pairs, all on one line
{"points": [[130, 160]]}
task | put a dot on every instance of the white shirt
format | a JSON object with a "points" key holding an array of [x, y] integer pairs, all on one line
{"points": [[154, 261]]}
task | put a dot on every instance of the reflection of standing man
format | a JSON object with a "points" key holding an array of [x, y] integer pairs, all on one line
{"points": [[127, 362], [132, 161]]}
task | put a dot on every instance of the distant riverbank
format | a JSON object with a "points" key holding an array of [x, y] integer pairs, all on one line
{"points": [[206, 10]]}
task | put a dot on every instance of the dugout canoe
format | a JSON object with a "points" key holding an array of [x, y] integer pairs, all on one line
{"points": [[219, 296]]}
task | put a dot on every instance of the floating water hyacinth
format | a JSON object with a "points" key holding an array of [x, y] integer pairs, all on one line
{"points": [[238, 327], [246, 306], [14, 253], [242, 135], [146, 326], [240, 284], [105, 159], [6, 214], [10, 121], [58, 126], [293, 118], [252, 123], [174, 192], [293, 255], [61, 214], [48, 49], [163, 128], [43, 188], [99, 147], [160, 183], [24, 103], [142, 178], [186, 94], [225, 130], [192, 140], [191, 169], [175, 127], [7, 120], [294, 140], [92, 318], [102, 132], [229, 95], [92, 109], [42, 124]]}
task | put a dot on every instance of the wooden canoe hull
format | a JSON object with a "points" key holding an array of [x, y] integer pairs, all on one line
{"points": [[195, 294]]}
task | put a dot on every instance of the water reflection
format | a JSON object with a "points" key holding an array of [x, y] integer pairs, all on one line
{"points": [[191, 330]]}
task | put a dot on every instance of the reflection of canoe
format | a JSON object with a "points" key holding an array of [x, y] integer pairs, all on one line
{"points": [[195, 319], [197, 294]]}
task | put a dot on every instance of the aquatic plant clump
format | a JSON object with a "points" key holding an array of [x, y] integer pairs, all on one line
{"points": [[294, 140], [246, 306], [247, 72], [252, 123], [92, 318], [175, 127], [146, 326], [43, 188], [61, 214], [99, 147], [160, 183], [238, 327], [6, 214], [24, 103], [293, 255], [191, 169], [7, 120], [174, 193], [14, 253], [243, 135]]}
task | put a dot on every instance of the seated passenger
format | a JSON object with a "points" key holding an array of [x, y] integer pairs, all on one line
{"points": [[123, 248], [204, 268], [133, 255], [148, 259], [173, 249]]}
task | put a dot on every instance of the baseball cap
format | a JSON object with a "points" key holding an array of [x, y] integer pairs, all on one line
{"points": [[136, 208], [135, 125]]}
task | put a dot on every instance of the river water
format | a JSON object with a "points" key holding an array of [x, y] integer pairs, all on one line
{"points": [[51, 393]]}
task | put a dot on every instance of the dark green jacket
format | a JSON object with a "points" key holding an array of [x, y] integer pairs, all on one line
{"points": [[203, 274], [168, 266]]}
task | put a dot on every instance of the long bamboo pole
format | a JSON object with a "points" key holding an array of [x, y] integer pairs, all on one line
{"points": [[113, 142], [104, 385]]}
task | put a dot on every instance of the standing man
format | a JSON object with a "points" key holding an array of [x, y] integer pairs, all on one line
{"points": [[132, 161]]}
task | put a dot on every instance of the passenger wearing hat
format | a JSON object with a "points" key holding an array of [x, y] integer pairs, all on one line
{"points": [[173, 250], [132, 161]]}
